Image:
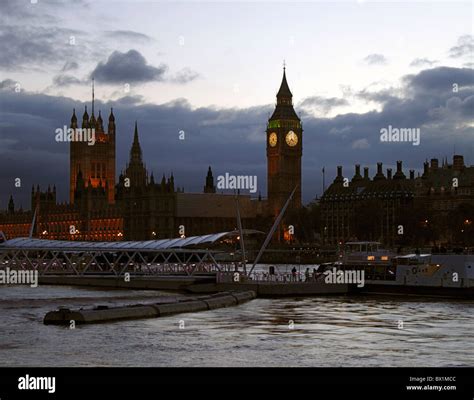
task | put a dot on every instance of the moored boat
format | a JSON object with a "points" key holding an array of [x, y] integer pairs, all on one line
{"points": [[385, 272]]}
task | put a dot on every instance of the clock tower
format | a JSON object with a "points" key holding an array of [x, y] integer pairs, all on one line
{"points": [[284, 151]]}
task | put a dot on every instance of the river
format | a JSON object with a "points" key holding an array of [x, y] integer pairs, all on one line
{"points": [[317, 332]]}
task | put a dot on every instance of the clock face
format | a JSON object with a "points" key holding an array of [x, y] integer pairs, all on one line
{"points": [[272, 139], [291, 139]]}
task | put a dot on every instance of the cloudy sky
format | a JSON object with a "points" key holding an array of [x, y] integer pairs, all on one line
{"points": [[212, 70]]}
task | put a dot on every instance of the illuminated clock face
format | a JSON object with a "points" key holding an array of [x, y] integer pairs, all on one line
{"points": [[291, 139], [272, 139]]}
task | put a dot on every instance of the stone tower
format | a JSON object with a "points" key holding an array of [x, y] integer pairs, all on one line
{"points": [[284, 152], [96, 161]]}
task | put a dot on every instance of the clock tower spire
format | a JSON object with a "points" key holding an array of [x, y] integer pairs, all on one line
{"points": [[284, 152]]}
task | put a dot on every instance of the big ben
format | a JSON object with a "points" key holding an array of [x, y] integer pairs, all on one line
{"points": [[284, 152]]}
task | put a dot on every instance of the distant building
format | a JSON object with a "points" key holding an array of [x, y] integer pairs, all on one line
{"points": [[379, 208], [443, 188]]}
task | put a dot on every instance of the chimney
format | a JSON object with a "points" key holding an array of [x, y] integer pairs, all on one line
{"points": [[339, 177], [412, 174], [357, 175], [366, 173], [389, 173], [434, 163], [379, 174], [399, 174], [458, 162]]}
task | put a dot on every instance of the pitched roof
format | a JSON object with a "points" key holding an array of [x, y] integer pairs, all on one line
{"points": [[284, 88]]}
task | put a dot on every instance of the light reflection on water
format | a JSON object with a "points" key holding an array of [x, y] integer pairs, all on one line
{"points": [[328, 331]]}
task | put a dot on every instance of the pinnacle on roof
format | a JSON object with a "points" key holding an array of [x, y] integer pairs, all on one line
{"points": [[284, 88]]}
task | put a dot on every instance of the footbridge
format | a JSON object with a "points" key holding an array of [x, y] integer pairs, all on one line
{"points": [[182, 256]]}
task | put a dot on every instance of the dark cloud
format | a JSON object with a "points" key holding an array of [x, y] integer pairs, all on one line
{"points": [[440, 79], [30, 47], [132, 67], [422, 62], [129, 67], [322, 104], [130, 100], [233, 140], [464, 47], [375, 59], [35, 37], [377, 96]]}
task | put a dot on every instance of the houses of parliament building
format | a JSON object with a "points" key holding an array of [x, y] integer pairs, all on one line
{"points": [[140, 207]]}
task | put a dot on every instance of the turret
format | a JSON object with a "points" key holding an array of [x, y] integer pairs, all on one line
{"points": [[73, 119], [209, 186], [11, 205], [111, 126], [100, 123], [163, 184], [136, 150], [85, 119], [172, 183]]}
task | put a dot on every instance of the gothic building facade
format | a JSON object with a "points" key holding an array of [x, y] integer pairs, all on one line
{"points": [[96, 162], [139, 208]]}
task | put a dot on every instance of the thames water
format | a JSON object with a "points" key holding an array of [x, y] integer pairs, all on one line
{"points": [[303, 331]]}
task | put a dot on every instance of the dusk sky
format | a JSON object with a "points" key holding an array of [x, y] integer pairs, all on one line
{"points": [[213, 69]]}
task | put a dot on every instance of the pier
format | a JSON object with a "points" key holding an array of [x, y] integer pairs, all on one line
{"points": [[65, 316]]}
